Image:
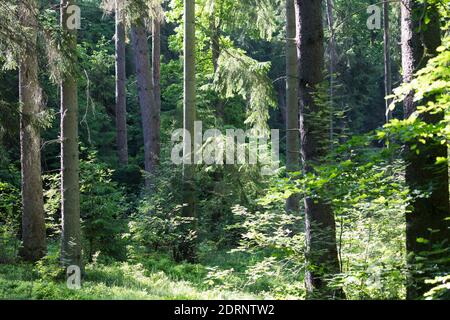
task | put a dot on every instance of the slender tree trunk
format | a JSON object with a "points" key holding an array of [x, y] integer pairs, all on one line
{"points": [[214, 29], [321, 251], [215, 41], [121, 107], [387, 60], [218, 175], [70, 191], [156, 67], [146, 95], [333, 58], [33, 222], [215, 53], [187, 249], [429, 213], [292, 108]]}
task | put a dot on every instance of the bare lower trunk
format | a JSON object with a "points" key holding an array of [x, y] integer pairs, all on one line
{"points": [[215, 53], [33, 222], [429, 213], [187, 249], [146, 96], [292, 110], [156, 68], [321, 251], [70, 191], [121, 108], [332, 64], [387, 60]]}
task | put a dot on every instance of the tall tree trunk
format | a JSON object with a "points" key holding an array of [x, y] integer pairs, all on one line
{"points": [[33, 222], [387, 60], [146, 95], [321, 251], [121, 107], [333, 58], [292, 108], [70, 191], [425, 213], [219, 103], [156, 67], [215, 53], [215, 41], [187, 249]]}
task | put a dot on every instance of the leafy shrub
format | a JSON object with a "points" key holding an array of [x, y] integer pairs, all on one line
{"points": [[103, 209], [440, 290], [49, 267], [155, 228], [10, 215]]}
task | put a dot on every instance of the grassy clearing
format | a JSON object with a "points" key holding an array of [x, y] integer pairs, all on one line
{"points": [[119, 281]]}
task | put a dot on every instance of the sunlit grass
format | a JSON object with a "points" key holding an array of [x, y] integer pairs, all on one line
{"points": [[120, 281]]}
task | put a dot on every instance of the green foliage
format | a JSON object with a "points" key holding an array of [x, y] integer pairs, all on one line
{"points": [[10, 208], [9, 116], [430, 86], [269, 235], [157, 228], [247, 247], [440, 290], [157, 223], [49, 268], [238, 74], [103, 209], [114, 281], [365, 187]]}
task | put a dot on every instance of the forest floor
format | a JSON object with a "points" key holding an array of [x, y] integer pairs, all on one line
{"points": [[115, 281], [152, 276]]}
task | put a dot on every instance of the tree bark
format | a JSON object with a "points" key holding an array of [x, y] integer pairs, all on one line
{"points": [[187, 249], [428, 213], [70, 191], [292, 107], [33, 223], [121, 108], [146, 96], [387, 60], [215, 54], [321, 251], [156, 67], [333, 58]]}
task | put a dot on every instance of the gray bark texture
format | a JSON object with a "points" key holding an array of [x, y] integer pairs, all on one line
{"points": [[33, 222], [332, 64], [292, 108], [429, 213], [187, 249], [215, 53], [156, 68], [70, 190], [146, 97], [121, 107], [387, 60], [321, 251]]}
